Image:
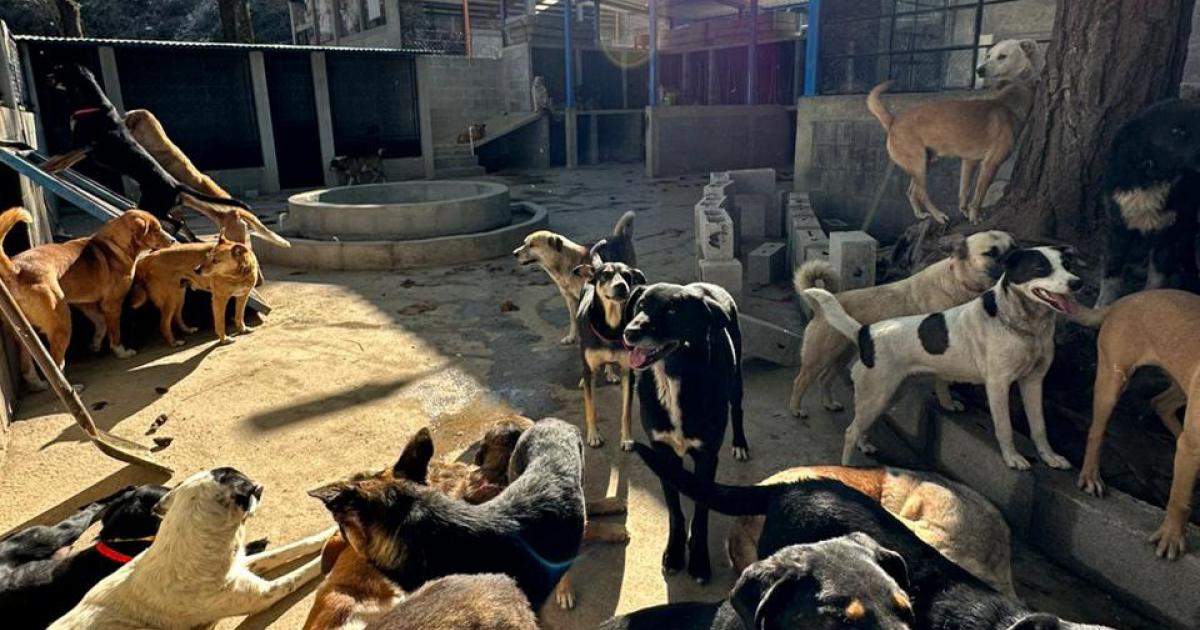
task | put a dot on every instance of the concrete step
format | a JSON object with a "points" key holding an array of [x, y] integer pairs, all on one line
{"points": [[468, 171], [441, 162], [452, 149]]}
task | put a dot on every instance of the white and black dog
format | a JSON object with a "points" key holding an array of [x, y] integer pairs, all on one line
{"points": [[1151, 192], [1004, 336], [687, 346]]}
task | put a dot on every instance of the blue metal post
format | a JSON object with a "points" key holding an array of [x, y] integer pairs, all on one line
{"points": [[752, 55], [812, 49], [568, 56], [653, 53]]}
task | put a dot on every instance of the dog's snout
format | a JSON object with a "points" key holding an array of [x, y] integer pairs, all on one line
{"points": [[1075, 284], [981, 71], [620, 291], [257, 491]]}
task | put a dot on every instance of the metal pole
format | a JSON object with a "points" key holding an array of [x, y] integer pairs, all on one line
{"points": [[653, 97], [752, 55], [568, 57], [503, 23], [467, 25], [812, 49]]}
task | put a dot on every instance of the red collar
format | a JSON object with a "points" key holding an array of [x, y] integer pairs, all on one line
{"points": [[85, 111], [112, 554], [619, 341]]}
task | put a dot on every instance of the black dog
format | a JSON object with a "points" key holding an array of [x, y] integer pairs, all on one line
{"points": [[39, 583], [687, 347], [1151, 196], [944, 595], [97, 130], [412, 533], [847, 582]]}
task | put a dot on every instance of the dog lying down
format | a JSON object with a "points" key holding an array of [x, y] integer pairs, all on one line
{"points": [[196, 572], [414, 533], [848, 581], [943, 595], [950, 517], [480, 602]]}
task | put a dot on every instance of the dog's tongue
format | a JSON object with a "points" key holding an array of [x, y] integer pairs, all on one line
{"points": [[638, 357], [1064, 302]]}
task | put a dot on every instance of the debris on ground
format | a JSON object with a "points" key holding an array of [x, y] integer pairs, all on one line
{"points": [[417, 308], [161, 442], [158, 422], [99, 404], [508, 307], [160, 390]]}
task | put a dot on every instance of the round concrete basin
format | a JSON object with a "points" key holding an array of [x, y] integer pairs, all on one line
{"points": [[399, 210]]}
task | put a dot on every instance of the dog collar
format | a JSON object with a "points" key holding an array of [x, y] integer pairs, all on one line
{"points": [[85, 111], [112, 554], [619, 341]]}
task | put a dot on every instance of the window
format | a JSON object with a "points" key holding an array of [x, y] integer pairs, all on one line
{"points": [[923, 45]]}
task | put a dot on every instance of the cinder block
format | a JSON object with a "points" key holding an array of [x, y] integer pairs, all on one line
{"points": [[754, 181], [726, 274], [767, 264], [716, 233], [752, 212], [852, 255], [764, 340], [806, 243]]}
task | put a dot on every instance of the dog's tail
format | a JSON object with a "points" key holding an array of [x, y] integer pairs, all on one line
{"points": [[8, 219], [731, 500], [137, 295], [835, 314], [186, 192], [875, 104], [620, 244], [816, 274], [262, 231], [1088, 316]]}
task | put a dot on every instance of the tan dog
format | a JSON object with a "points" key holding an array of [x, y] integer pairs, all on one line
{"points": [[950, 517], [980, 131], [160, 278], [237, 223], [474, 133], [230, 270], [490, 601], [363, 169], [971, 269], [1160, 328], [91, 273]]}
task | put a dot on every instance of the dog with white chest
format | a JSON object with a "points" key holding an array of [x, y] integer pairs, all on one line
{"points": [[196, 573], [1005, 336]]}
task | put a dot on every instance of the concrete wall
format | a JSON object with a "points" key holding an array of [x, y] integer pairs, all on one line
{"points": [[459, 91], [715, 138], [518, 70]]}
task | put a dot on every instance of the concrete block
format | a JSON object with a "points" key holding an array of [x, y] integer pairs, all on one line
{"points": [[808, 245], [764, 340], [767, 264], [852, 255], [967, 450], [726, 274], [754, 181], [716, 235], [752, 212]]}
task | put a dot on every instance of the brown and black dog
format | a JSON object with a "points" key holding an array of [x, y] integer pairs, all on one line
{"points": [[1161, 328], [93, 274]]}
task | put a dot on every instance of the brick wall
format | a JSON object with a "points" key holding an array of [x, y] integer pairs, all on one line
{"points": [[460, 91]]}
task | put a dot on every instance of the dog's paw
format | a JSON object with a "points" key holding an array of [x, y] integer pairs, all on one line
{"points": [[1169, 540], [96, 346], [594, 439], [626, 445], [700, 570], [612, 376], [121, 352], [78, 387], [1016, 461], [1054, 460], [673, 560], [569, 340], [866, 447], [564, 597], [833, 406], [225, 341], [177, 343], [953, 406], [741, 453], [188, 329], [1091, 483]]}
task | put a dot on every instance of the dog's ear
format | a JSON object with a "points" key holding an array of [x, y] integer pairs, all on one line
{"points": [[557, 243], [717, 312], [1038, 621], [241, 253], [221, 240], [587, 272], [891, 562], [413, 464], [956, 245], [331, 493], [631, 303], [164, 504], [1029, 47], [594, 252], [762, 591], [639, 278], [331, 551]]}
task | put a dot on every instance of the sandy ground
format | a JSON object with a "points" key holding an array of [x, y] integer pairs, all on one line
{"points": [[349, 365]]}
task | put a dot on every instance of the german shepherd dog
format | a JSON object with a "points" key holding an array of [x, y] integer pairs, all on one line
{"points": [[943, 594], [98, 131], [413, 533], [687, 346]]}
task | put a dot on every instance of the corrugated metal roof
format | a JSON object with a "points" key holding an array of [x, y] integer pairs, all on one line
{"points": [[151, 43]]}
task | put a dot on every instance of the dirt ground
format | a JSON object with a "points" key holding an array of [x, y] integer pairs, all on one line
{"points": [[349, 365]]}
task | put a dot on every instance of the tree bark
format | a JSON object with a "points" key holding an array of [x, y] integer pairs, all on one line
{"points": [[70, 23], [235, 21], [1108, 59]]}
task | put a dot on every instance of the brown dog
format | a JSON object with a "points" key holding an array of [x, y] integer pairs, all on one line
{"points": [[490, 601], [229, 270], [237, 223], [474, 133], [93, 274], [160, 278], [1161, 328]]}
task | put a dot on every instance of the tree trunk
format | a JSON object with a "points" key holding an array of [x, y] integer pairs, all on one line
{"points": [[1108, 60], [70, 23], [235, 21]]}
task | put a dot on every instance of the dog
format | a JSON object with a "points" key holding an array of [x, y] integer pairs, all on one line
{"points": [[93, 274], [943, 595], [237, 223], [973, 266], [601, 321], [558, 256], [474, 133], [980, 131], [1157, 327], [40, 580], [361, 169], [99, 132], [950, 517], [161, 278], [481, 602], [196, 571], [413, 533], [539, 96], [1004, 336], [229, 270], [686, 345], [1151, 186], [849, 581]]}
